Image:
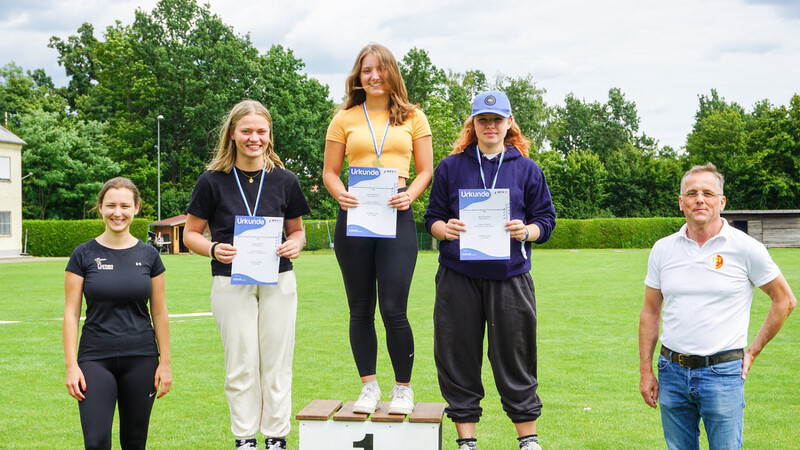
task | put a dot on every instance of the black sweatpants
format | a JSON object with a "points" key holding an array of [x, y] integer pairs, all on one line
{"points": [[127, 382], [389, 263], [465, 308]]}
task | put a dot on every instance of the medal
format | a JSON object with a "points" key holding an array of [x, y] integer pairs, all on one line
{"points": [[378, 151], [250, 179]]}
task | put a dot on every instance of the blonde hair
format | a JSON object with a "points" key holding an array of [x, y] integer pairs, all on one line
{"points": [[399, 106], [514, 137], [708, 167], [225, 157]]}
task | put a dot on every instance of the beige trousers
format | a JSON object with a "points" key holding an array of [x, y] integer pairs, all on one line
{"points": [[257, 323]]}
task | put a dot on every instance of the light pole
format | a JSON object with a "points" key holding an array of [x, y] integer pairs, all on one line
{"points": [[158, 146]]}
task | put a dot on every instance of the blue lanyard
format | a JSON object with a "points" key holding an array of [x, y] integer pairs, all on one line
{"points": [[241, 191], [480, 167], [374, 142]]}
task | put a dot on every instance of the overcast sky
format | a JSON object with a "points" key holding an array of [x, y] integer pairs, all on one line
{"points": [[661, 54]]}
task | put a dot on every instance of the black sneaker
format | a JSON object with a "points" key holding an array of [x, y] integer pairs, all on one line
{"points": [[276, 444], [246, 444]]}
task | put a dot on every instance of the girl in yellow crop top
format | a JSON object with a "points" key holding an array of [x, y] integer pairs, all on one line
{"points": [[378, 127]]}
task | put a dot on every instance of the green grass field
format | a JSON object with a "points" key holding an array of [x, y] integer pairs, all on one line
{"points": [[588, 306]]}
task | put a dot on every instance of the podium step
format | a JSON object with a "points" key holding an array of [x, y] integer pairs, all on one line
{"points": [[319, 410], [327, 409], [331, 425]]}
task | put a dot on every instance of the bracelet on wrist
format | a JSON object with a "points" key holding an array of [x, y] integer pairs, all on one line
{"points": [[211, 249]]}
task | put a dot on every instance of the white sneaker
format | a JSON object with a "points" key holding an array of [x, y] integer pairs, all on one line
{"points": [[531, 446], [246, 444], [402, 400], [369, 399]]}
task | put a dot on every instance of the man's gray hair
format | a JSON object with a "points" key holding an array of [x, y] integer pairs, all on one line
{"points": [[708, 167]]}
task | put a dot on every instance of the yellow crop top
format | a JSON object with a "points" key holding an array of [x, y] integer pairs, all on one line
{"points": [[349, 127]]}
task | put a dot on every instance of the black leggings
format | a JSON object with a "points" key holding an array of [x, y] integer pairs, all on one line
{"points": [[125, 381], [389, 263]]}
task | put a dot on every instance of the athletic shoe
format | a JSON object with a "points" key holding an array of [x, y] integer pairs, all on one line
{"points": [[402, 400], [532, 445], [369, 399], [246, 444], [276, 444], [468, 445]]}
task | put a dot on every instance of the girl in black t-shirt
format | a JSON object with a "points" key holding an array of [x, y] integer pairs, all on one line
{"points": [[118, 361], [256, 321]]}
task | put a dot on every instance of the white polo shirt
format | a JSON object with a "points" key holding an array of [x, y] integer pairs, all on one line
{"points": [[708, 290]]}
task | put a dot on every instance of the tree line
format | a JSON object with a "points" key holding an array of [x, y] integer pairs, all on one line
{"points": [[181, 61]]}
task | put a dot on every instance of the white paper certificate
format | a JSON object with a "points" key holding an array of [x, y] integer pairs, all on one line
{"points": [[484, 213], [256, 240], [373, 217]]}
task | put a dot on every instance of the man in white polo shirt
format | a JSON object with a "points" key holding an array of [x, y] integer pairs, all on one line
{"points": [[703, 277]]}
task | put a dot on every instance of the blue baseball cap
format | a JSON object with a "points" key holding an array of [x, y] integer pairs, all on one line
{"points": [[494, 102]]}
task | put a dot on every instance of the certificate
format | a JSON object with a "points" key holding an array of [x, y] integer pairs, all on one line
{"points": [[256, 240], [484, 213], [373, 217]]}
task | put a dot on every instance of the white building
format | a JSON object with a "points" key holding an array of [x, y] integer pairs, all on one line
{"points": [[10, 193]]}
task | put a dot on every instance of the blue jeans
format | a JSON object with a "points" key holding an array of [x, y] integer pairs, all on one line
{"points": [[714, 394]]}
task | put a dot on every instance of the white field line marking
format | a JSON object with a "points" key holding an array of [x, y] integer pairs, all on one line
{"points": [[199, 314]]}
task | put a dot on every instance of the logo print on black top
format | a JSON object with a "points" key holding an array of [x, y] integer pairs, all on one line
{"points": [[490, 100], [138, 263], [101, 266]]}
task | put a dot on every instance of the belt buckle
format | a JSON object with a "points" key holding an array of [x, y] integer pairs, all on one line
{"points": [[681, 363]]}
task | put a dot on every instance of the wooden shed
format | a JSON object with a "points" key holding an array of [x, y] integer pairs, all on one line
{"points": [[773, 228], [168, 235]]}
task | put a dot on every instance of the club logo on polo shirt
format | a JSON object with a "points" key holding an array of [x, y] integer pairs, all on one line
{"points": [[716, 262], [101, 266]]}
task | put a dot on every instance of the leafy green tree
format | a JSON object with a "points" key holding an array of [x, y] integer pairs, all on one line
{"points": [[444, 131], [529, 107], [756, 151], [640, 184], [596, 127], [182, 62], [421, 77], [774, 143], [21, 93], [713, 102], [77, 56], [576, 182], [301, 112], [68, 162], [720, 138]]}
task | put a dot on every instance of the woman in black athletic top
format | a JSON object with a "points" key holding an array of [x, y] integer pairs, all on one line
{"points": [[117, 362]]}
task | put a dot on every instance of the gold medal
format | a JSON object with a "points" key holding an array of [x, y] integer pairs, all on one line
{"points": [[377, 164]]}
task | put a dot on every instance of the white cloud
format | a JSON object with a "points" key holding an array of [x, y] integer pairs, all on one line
{"points": [[662, 55]]}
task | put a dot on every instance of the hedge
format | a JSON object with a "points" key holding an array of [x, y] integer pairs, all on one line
{"points": [[612, 233], [60, 237]]}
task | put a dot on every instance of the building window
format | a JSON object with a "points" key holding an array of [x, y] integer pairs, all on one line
{"points": [[5, 223], [5, 168]]}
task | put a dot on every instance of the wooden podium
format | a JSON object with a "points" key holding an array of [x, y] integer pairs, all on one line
{"points": [[327, 425]]}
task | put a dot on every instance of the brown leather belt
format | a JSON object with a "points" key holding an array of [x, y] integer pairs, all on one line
{"points": [[694, 361]]}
